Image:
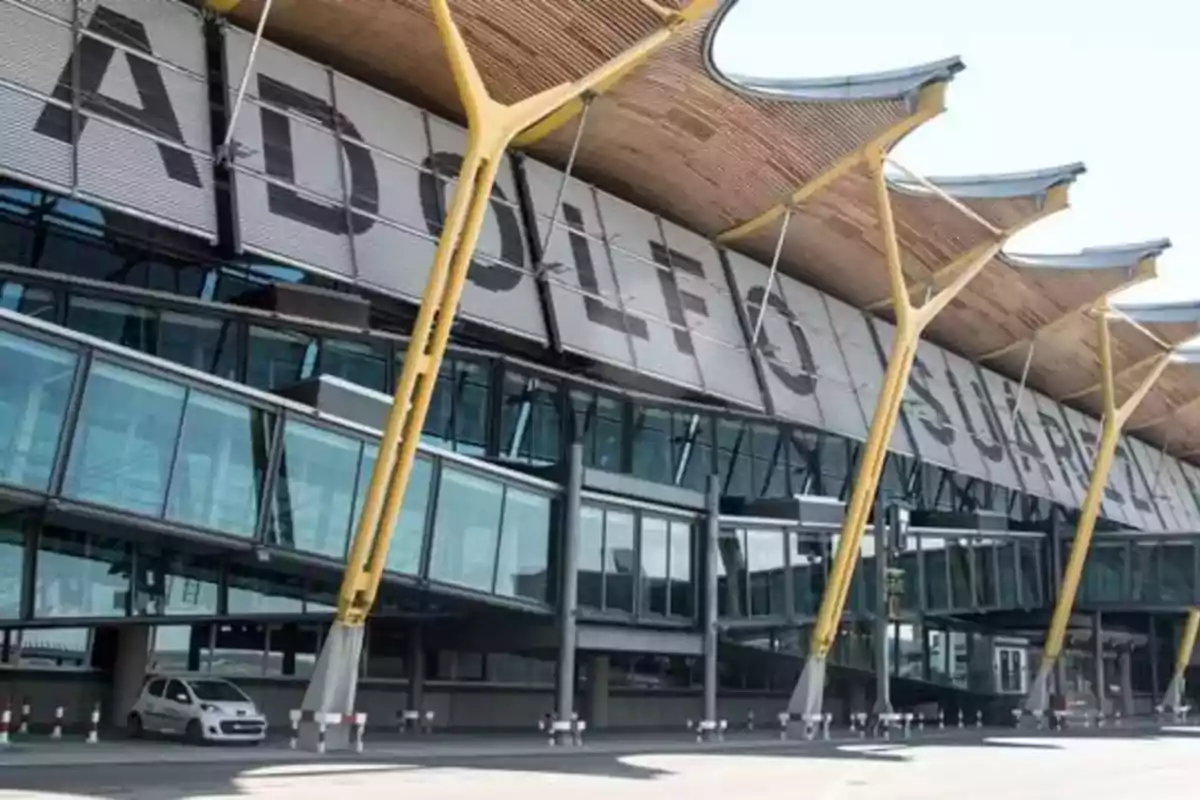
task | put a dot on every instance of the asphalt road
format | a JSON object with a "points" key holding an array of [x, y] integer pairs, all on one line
{"points": [[1100, 768]]}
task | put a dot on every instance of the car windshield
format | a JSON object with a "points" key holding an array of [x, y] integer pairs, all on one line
{"points": [[218, 691]]}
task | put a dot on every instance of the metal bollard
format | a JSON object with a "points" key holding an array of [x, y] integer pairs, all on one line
{"points": [[749, 720], [784, 718], [56, 731], [862, 725], [1099, 719], [722, 725], [560, 729], [960, 719], [908, 718], [93, 734], [853, 727], [1117, 719], [978, 719], [294, 723], [578, 726], [428, 722], [26, 713], [321, 733], [921, 722], [358, 722], [826, 722], [941, 720], [5, 722]]}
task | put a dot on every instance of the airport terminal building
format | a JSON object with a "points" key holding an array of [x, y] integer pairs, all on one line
{"points": [[204, 302]]}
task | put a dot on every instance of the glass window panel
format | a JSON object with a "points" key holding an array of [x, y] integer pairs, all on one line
{"points": [[1177, 583], [765, 563], [204, 344], [652, 446], [171, 651], [597, 422], [408, 537], [939, 651], [960, 576], [466, 529], [253, 591], [439, 420], [770, 477], [80, 575], [125, 440], [733, 458], [35, 384], [731, 574], [314, 489], [238, 649], [175, 583], [1031, 577], [276, 359], [863, 586], [910, 653], [959, 659], [655, 543], [620, 563], [128, 325], [531, 427], [55, 648], [698, 459], [682, 585], [985, 576], [1103, 574], [1007, 556], [220, 466], [32, 301], [471, 408], [909, 561], [808, 571], [937, 595], [524, 546], [591, 557], [362, 363], [12, 568]]}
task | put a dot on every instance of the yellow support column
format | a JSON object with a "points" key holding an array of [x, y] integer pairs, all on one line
{"points": [[1173, 702], [911, 321], [492, 127], [1115, 417]]}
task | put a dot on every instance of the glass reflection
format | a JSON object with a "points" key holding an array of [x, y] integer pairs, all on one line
{"points": [[591, 557], [315, 489], [80, 575], [466, 529], [125, 440], [1028, 551], [655, 546], [251, 591], [620, 563], [362, 363], [960, 556], [175, 583], [682, 588], [524, 545], [1103, 574], [596, 421], [12, 568], [1007, 562], [808, 571], [276, 359], [408, 537], [731, 574], [530, 423], [937, 592], [35, 383], [220, 465], [653, 446], [765, 564]]}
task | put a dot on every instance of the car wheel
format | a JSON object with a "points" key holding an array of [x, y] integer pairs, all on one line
{"points": [[194, 733], [134, 726]]}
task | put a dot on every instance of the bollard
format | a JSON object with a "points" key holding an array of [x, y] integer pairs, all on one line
{"points": [[941, 720], [428, 722], [862, 725], [826, 722], [5, 721], [579, 727], [1099, 719], [722, 725], [294, 722], [853, 727], [960, 719], [921, 722], [26, 713], [978, 719], [784, 718], [56, 731], [688, 723], [1039, 718], [908, 718], [1117, 718], [358, 728], [560, 729], [93, 734], [749, 720], [320, 733]]}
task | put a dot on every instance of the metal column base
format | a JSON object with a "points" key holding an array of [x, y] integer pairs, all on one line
{"points": [[1037, 700], [333, 685], [1173, 699], [809, 695]]}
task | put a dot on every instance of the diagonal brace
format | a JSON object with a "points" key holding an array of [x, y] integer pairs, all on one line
{"points": [[1174, 702], [492, 127]]}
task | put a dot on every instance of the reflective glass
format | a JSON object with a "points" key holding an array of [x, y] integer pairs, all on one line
{"points": [[864, 586], [12, 568], [80, 575], [960, 575], [653, 446], [620, 562], [985, 575], [314, 489], [770, 462], [1007, 561], [698, 458], [731, 574], [174, 583], [682, 585], [655, 544], [910, 653], [909, 561], [1031, 575], [765, 563], [32, 301], [125, 324], [1177, 584], [276, 359], [408, 537], [591, 557], [35, 384], [524, 545], [531, 426], [597, 423], [458, 413], [1103, 574], [362, 363], [808, 571], [220, 466], [733, 458], [125, 440], [253, 591], [466, 529], [207, 345], [937, 593]]}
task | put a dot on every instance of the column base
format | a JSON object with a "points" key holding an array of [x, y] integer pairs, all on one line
{"points": [[1173, 702], [808, 697], [711, 730], [1037, 699], [333, 687]]}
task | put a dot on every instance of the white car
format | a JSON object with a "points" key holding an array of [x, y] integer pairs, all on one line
{"points": [[199, 709]]}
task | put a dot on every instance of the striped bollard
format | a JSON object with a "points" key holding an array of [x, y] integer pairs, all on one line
{"points": [[5, 721], [56, 731], [960, 719], [294, 722], [25, 714], [358, 729], [93, 734], [941, 720], [784, 718], [321, 731], [978, 719]]}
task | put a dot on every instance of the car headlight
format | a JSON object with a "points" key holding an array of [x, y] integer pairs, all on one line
{"points": [[209, 708]]}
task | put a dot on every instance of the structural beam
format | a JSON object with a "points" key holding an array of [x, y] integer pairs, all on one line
{"points": [[1173, 700], [1115, 416], [931, 101], [1098, 385], [492, 127], [911, 321]]}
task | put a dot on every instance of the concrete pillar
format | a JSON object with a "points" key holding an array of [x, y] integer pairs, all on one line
{"points": [[1098, 660], [129, 670], [416, 670], [1125, 659], [596, 712], [712, 530], [883, 665], [1155, 686], [569, 582]]}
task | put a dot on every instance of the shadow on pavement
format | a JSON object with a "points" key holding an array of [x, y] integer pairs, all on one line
{"points": [[603, 757]]}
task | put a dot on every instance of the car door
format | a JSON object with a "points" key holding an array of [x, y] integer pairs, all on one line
{"points": [[176, 707], [149, 705]]}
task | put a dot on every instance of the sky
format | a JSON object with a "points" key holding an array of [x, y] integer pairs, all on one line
{"points": [[1047, 82]]}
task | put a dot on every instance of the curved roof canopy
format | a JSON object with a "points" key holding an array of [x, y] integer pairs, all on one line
{"points": [[729, 155]]}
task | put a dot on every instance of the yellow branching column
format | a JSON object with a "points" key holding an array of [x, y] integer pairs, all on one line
{"points": [[492, 127], [807, 698], [1115, 417], [1173, 702]]}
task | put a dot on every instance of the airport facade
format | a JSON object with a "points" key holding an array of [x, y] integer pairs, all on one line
{"points": [[198, 343]]}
